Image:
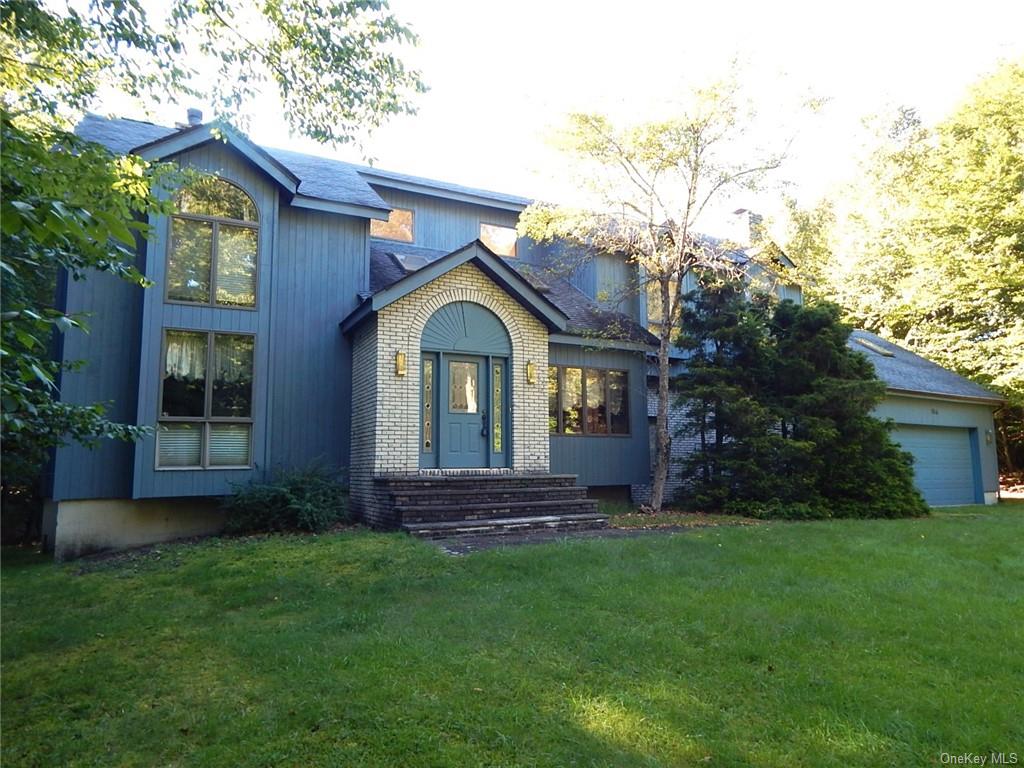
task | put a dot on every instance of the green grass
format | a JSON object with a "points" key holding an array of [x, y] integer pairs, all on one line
{"points": [[845, 643]]}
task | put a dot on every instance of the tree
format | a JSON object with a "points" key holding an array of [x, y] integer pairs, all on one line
{"points": [[651, 182], [73, 206], [782, 408], [824, 394], [934, 242], [724, 337]]}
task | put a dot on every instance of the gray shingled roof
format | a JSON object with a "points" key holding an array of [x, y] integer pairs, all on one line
{"points": [[448, 187], [391, 261], [120, 135], [329, 179], [320, 177], [901, 369]]}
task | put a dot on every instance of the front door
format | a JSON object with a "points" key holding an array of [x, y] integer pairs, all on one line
{"points": [[464, 411]]}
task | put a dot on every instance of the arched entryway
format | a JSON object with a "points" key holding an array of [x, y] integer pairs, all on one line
{"points": [[465, 408]]}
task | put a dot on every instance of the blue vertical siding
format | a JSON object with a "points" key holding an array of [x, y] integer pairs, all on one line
{"points": [[444, 224], [599, 460], [323, 262], [156, 315], [110, 350], [616, 284]]}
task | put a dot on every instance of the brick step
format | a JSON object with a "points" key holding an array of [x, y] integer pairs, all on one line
{"points": [[428, 482], [477, 495], [491, 510], [506, 525]]}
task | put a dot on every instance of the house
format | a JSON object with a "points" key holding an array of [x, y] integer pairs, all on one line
{"points": [[310, 310]]}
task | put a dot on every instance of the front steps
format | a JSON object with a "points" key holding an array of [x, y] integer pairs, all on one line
{"points": [[439, 506]]}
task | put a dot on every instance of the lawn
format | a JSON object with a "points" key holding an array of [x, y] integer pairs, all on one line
{"points": [[842, 643]]}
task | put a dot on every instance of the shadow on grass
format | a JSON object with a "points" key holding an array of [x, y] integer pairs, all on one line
{"points": [[848, 643]]}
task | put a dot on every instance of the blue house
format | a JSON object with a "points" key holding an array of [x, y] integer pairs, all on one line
{"points": [[310, 310]]}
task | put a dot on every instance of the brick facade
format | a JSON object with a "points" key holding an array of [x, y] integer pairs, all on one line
{"points": [[386, 407], [682, 446]]}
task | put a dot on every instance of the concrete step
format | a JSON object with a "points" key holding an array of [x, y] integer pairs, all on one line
{"points": [[397, 483], [494, 509], [431, 497], [505, 525]]}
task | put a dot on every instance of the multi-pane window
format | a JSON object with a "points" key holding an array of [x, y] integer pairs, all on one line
{"points": [[587, 401], [205, 400], [397, 227], [501, 240], [214, 246]]}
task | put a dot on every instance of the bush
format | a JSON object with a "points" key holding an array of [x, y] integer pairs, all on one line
{"points": [[778, 510], [782, 409], [310, 499]]}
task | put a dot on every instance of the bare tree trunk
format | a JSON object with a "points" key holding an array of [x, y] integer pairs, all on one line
{"points": [[662, 437]]}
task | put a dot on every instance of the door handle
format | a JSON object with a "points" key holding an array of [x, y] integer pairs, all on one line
{"points": [[483, 419]]}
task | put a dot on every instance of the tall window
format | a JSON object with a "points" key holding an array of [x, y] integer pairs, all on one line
{"points": [[655, 311], [206, 400], [587, 401], [501, 240], [214, 245], [397, 227]]}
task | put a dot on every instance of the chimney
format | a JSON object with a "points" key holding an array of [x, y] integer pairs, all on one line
{"points": [[749, 229], [195, 117]]}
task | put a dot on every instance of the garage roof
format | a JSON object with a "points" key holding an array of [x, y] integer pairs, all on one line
{"points": [[903, 371]]}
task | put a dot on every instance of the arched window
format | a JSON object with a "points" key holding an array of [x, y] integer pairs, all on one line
{"points": [[214, 246]]}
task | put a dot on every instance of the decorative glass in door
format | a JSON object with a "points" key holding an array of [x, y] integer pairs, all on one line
{"points": [[428, 404], [497, 408], [463, 387]]}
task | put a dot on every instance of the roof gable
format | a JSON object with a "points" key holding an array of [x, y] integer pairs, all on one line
{"points": [[189, 138], [486, 261]]}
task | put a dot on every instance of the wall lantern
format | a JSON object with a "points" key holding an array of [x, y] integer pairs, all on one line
{"points": [[988, 437], [399, 363], [531, 372]]}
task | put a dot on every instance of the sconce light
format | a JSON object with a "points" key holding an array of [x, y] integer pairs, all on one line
{"points": [[531, 372], [399, 363], [988, 437]]}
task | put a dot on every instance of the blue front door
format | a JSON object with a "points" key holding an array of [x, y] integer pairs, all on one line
{"points": [[464, 411]]}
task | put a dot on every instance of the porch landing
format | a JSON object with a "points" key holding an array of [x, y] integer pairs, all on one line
{"points": [[437, 505]]}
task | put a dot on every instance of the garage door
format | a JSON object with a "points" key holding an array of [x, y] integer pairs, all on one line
{"points": [[943, 466]]}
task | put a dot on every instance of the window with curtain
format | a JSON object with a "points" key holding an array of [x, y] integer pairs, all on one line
{"points": [[587, 401], [206, 400], [212, 257]]}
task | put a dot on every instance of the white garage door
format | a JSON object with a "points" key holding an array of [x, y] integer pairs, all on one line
{"points": [[943, 468]]}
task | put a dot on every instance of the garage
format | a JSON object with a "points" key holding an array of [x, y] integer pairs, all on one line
{"points": [[942, 419], [944, 464]]}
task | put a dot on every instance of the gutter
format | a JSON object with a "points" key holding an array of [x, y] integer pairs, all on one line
{"points": [[979, 400]]}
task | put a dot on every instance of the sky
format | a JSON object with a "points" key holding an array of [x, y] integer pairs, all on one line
{"points": [[503, 75]]}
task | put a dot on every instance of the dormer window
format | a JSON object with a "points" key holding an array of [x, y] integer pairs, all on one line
{"points": [[214, 245], [501, 240], [397, 227]]}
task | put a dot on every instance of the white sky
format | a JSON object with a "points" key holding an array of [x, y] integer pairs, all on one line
{"points": [[501, 76]]}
